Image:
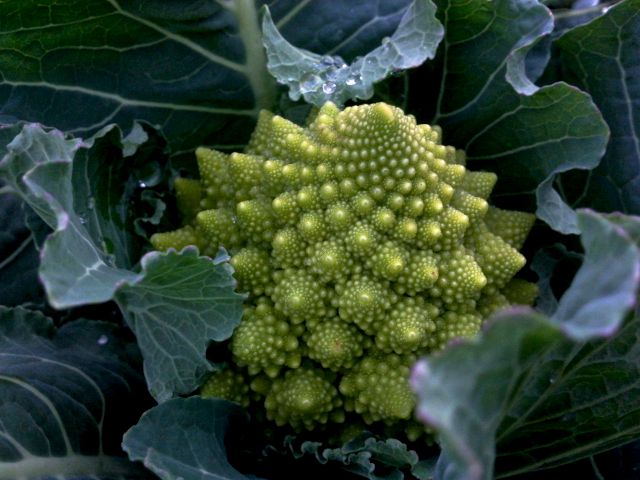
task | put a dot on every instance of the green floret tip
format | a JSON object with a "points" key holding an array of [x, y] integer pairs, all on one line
{"points": [[228, 385], [303, 398], [363, 243], [378, 388], [253, 270], [335, 344], [520, 292], [188, 195], [408, 327], [265, 341]]}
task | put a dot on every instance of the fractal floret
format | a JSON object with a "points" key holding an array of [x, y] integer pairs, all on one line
{"points": [[363, 243]]}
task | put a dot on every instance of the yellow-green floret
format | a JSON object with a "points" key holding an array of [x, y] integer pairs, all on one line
{"points": [[303, 397], [363, 243], [377, 388], [227, 384]]}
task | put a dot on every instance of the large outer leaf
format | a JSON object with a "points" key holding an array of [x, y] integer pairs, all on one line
{"points": [[487, 105], [603, 58], [577, 400], [182, 65], [181, 304], [542, 396], [461, 393], [606, 285], [544, 399], [77, 266], [88, 257], [185, 439], [66, 397]]}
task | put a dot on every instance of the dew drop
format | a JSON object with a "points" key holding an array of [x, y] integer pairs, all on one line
{"points": [[103, 340], [82, 220], [353, 80], [329, 87], [142, 185], [310, 83], [331, 74], [327, 60]]}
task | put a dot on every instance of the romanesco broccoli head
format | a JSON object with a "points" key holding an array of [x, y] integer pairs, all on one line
{"points": [[363, 242]]}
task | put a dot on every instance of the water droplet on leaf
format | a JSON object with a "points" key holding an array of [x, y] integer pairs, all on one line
{"points": [[331, 74], [352, 80], [103, 340], [310, 83], [327, 60], [329, 87]]}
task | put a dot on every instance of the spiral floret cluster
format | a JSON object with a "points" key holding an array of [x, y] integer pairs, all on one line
{"points": [[363, 242]]}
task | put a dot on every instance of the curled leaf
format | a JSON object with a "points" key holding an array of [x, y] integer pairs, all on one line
{"points": [[322, 78]]}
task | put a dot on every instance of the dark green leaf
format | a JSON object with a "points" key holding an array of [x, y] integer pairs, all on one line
{"points": [[604, 289], [488, 106], [544, 399], [602, 58], [349, 28], [554, 130], [545, 264], [537, 58], [107, 176], [578, 400], [181, 304], [176, 306], [19, 258], [185, 439], [78, 259], [481, 39], [176, 64], [66, 397], [321, 78], [461, 393], [196, 69]]}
